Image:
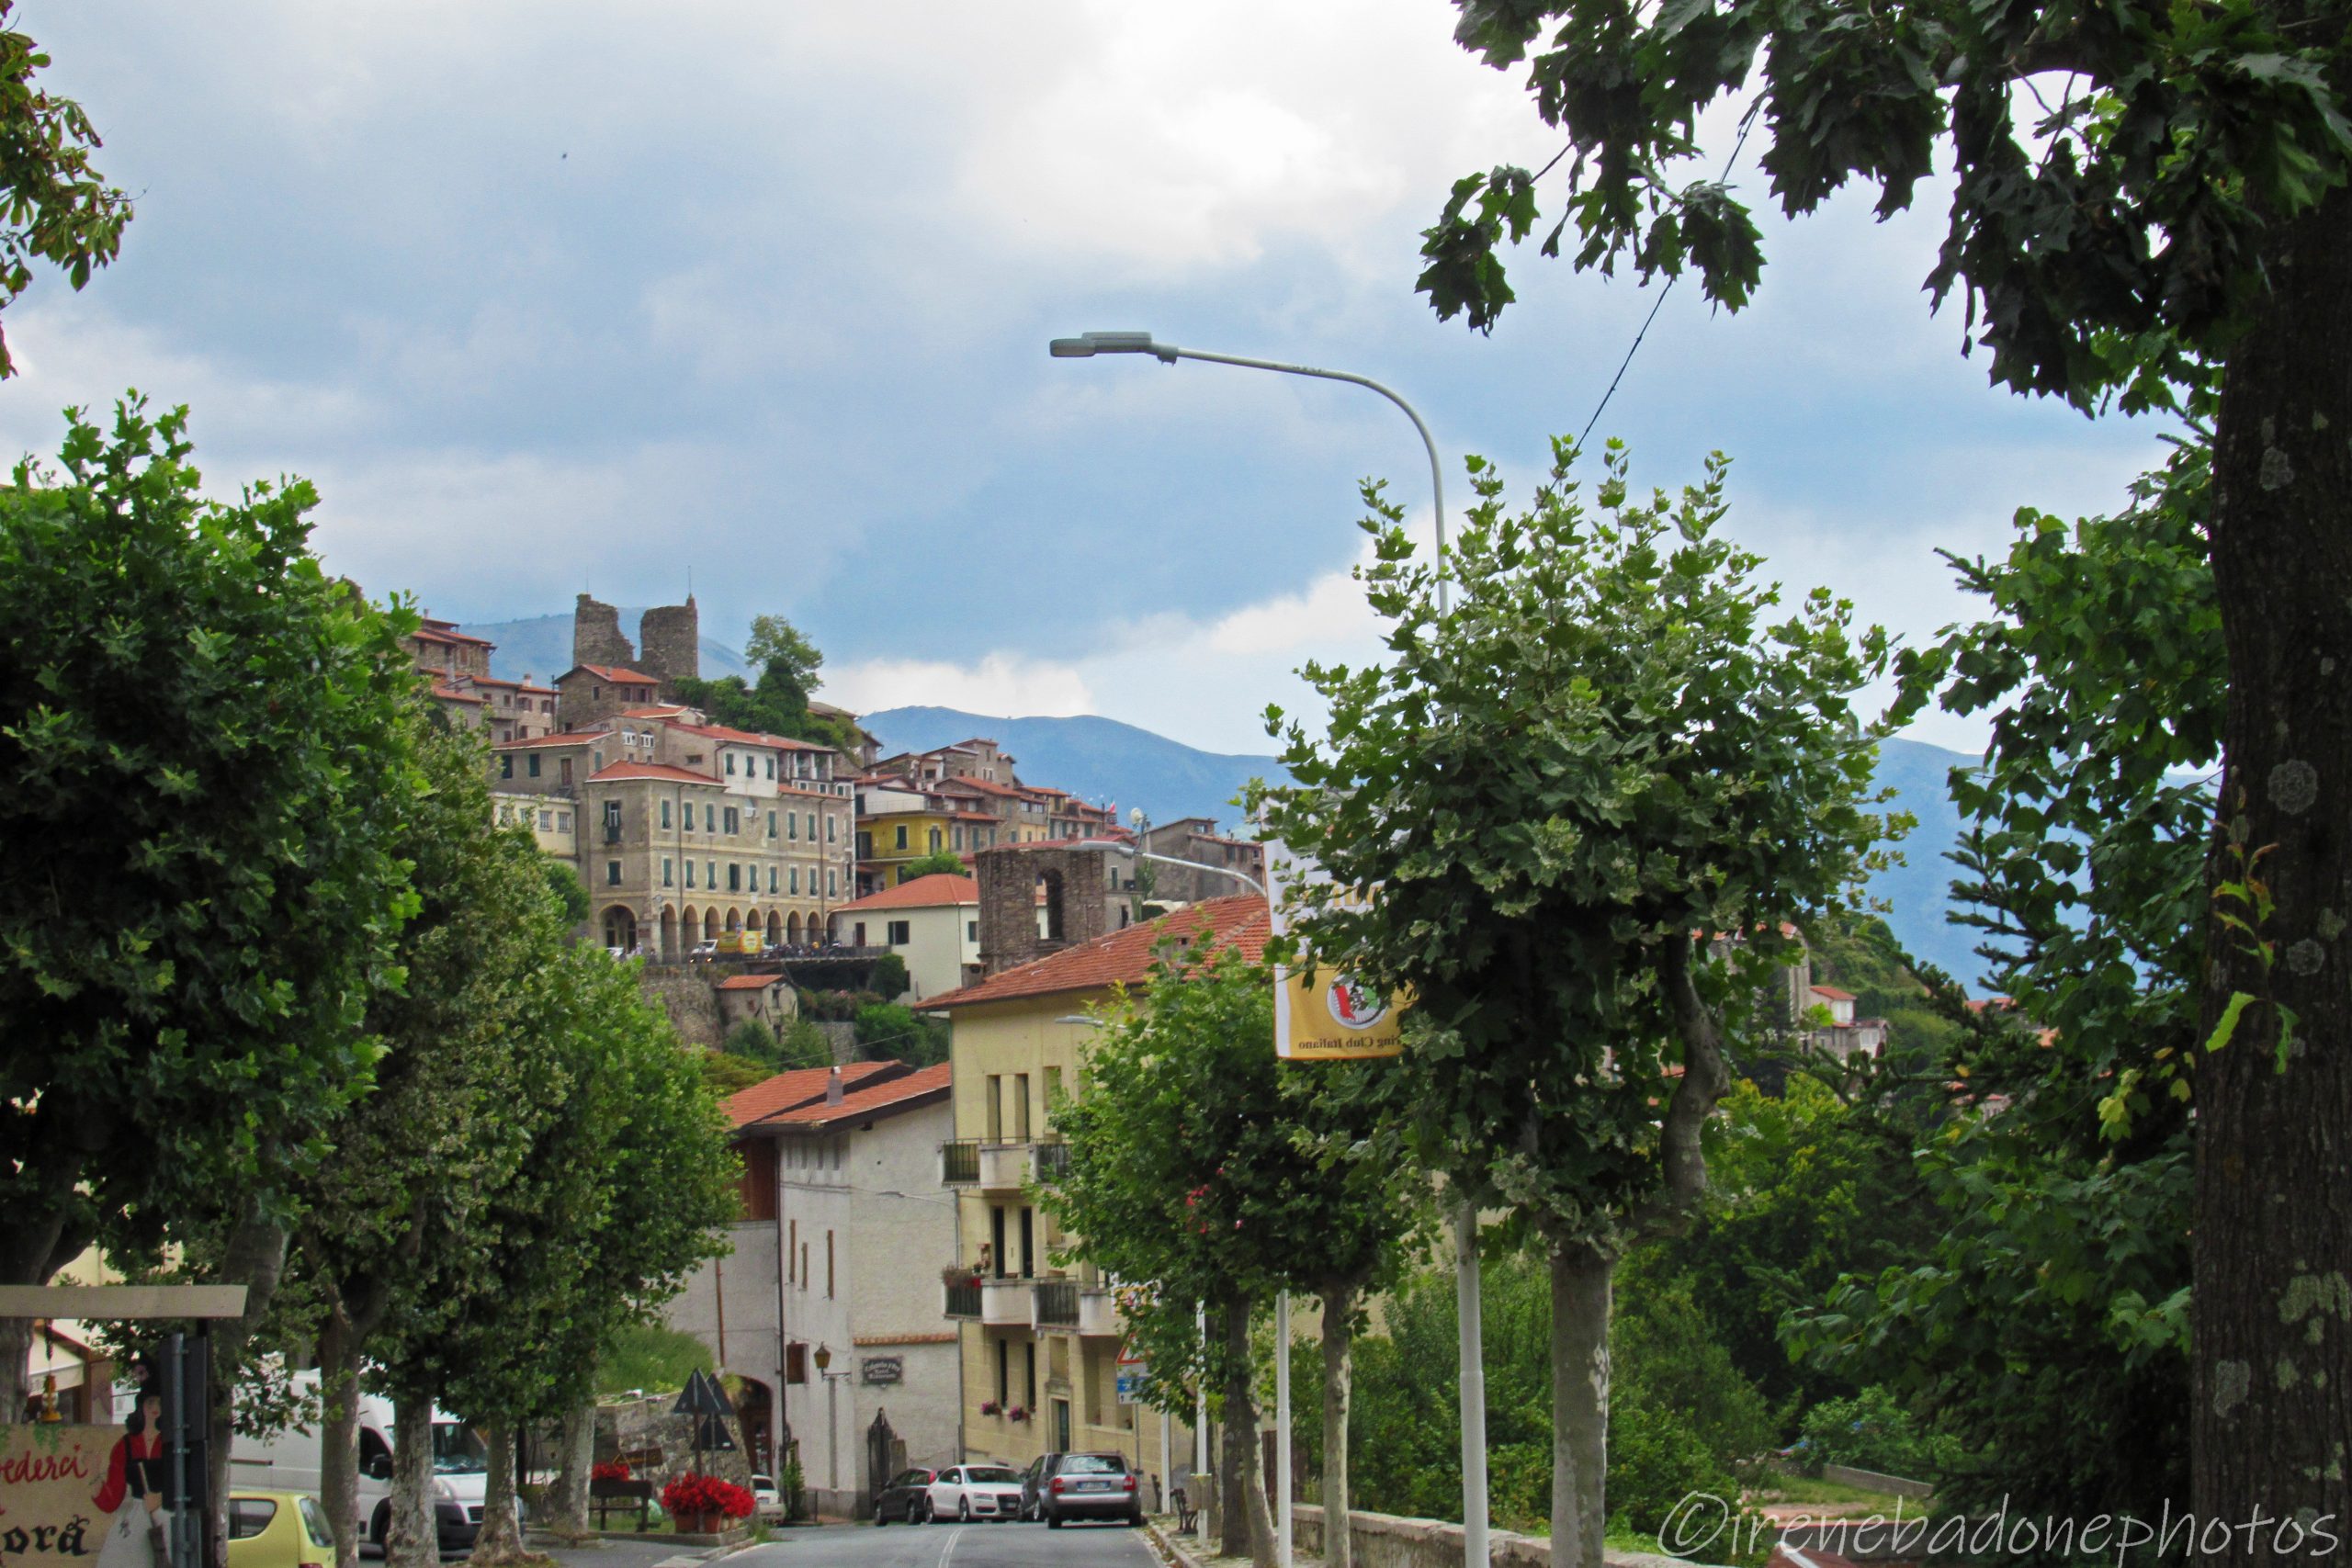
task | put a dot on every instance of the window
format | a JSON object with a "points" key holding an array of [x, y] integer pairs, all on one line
{"points": [[771, 767], [1021, 1107], [1003, 1373], [900, 932], [563, 821], [596, 763], [612, 873], [532, 766], [1029, 1382], [506, 767], [830, 823], [771, 879], [791, 826], [792, 1244], [771, 824], [934, 840], [730, 764], [902, 838], [734, 877], [612, 821], [248, 1517], [710, 872], [734, 821], [690, 873], [796, 1363], [547, 821], [971, 931], [709, 818], [828, 1264], [813, 827], [665, 870], [665, 814], [828, 885], [996, 1117], [796, 879], [955, 838]]}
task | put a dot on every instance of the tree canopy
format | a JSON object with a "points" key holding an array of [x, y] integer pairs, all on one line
{"points": [[776, 701], [54, 207]]}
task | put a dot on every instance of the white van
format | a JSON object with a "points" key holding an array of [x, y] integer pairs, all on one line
{"points": [[290, 1463]]}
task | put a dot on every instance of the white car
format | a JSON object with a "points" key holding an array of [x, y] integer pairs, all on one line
{"points": [[968, 1492], [765, 1501]]}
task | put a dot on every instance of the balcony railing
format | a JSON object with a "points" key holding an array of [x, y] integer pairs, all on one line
{"points": [[1004, 1167], [963, 1299], [1097, 1312], [1007, 1303], [1058, 1303], [959, 1162], [1053, 1161]]}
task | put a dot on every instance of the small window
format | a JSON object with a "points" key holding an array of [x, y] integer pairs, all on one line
{"points": [[612, 873], [248, 1517], [665, 814], [771, 824], [796, 879], [902, 838], [314, 1522], [734, 821], [971, 931], [901, 932], [831, 822], [710, 871], [791, 826], [709, 818], [730, 764], [830, 892], [734, 877], [506, 767], [771, 767], [563, 821], [771, 879], [690, 873], [547, 821], [532, 768]]}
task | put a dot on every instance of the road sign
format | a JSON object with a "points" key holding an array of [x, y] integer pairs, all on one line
{"points": [[701, 1396], [1320, 1014], [1131, 1376]]}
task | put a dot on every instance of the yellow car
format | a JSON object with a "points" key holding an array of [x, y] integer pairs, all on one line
{"points": [[278, 1529]]}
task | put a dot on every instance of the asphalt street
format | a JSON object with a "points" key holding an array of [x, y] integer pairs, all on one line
{"points": [[953, 1546]]}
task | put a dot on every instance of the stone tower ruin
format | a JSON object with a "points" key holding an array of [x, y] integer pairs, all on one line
{"points": [[672, 636], [1077, 907], [596, 635]]}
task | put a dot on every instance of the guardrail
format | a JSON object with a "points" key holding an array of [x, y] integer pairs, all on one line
{"points": [[959, 1162], [964, 1299], [1058, 1303]]}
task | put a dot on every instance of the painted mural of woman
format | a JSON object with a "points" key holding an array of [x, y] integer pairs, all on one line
{"points": [[138, 1533]]}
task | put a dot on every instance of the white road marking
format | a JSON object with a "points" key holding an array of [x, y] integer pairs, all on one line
{"points": [[956, 1534]]}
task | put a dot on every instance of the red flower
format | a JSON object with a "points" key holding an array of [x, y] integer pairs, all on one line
{"points": [[692, 1493], [610, 1470]]}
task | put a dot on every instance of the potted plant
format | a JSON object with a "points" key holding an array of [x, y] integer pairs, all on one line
{"points": [[988, 1406], [960, 1274], [1018, 1413], [702, 1504]]}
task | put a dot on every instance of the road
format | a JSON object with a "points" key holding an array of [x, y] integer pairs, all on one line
{"points": [[953, 1546]]}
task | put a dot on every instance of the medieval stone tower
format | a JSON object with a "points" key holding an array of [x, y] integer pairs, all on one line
{"points": [[1076, 909], [671, 635]]}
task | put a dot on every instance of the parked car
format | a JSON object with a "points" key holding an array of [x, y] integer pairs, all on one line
{"points": [[968, 1492], [767, 1503], [278, 1529], [905, 1498], [1061, 1486], [702, 953]]}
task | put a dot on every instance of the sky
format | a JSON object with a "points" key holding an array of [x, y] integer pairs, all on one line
{"points": [[547, 296]]}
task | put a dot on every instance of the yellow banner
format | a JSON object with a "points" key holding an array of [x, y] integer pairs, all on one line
{"points": [[1321, 1015]]}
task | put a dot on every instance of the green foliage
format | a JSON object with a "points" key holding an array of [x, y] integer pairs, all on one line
{"points": [[1609, 744], [804, 1045], [2046, 1327], [2099, 244], [1201, 1164], [888, 979], [1872, 1431], [886, 1030], [53, 206], [946, 862], [778, 704], [651, 1356], [572, 898], [206, 756], [753, 1040], [727, 1074]]}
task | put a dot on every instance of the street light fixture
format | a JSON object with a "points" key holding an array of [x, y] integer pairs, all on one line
{"points": [[1465, 1217]]}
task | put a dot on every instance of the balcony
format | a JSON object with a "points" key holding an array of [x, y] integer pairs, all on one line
{"points": [[1098, 1313], [1058, 1303], [1008, 1302], [1052, 1162], [964, 1299], [959, 1162], [1004, 1167]]}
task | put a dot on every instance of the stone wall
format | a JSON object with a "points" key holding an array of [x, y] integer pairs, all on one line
{"points": [[671, 639], [596, 635], [1076, 910], [635, 1429], [1385, 1540], [690, 1001]]}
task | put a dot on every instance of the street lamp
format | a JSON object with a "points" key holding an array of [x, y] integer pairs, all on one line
{"points": [[1086, 345]]}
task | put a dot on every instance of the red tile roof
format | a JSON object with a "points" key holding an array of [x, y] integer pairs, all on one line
{"points": [[749, 737], [566, 738], [1122, 957], [451, 694], [894, 1094], [798, 1086], [446, 631], [751, 982], [1833, 993], [606, 672], [614, 772], [668, 710], [939, 888]]}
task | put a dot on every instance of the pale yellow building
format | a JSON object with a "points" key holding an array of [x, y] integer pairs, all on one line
{"points": [[1033, 1338]]}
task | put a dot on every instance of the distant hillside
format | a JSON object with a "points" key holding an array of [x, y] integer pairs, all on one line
{"points": [[540, 647], [1101, 758]]}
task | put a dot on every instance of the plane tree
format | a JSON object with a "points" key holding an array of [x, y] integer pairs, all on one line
{"points": [[1589, 799], [2147, 202]]}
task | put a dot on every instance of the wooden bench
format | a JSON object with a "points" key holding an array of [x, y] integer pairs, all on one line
{"points": [[605, 1495]]}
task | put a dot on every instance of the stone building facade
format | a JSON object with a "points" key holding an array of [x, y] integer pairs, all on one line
{"points": [[671, 635], [1080, 901]]}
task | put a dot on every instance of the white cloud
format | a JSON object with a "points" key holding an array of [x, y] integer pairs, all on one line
{"points": [[1002, 684]]}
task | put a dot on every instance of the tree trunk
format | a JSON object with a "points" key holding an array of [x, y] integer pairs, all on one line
{"points": [[1580, 1281], [499, 1539], [565, 1507], [414, 1539], [255, 1258], [1246, 1525], [2271, 1421], [1338, 1368], [339, 1436]]}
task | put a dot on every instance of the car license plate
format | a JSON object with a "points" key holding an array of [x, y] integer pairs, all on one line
{"points": [[1094, 1486]]}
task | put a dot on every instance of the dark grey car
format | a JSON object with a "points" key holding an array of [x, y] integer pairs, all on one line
{"points": [[907, 1499], [1063, 1487]]}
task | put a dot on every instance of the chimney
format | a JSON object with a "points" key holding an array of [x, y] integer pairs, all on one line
{"points": [[832, 1086]]}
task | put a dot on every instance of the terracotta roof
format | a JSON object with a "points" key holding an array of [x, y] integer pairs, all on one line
{"points": [[446, 631], [451, 694], [663, 710], [1122, 957], [614, 772], [567, 738], [798, 1086], [750, 982], [749, 737], [606, 672], [895, 1094], [1833, 993], [941, 887]]}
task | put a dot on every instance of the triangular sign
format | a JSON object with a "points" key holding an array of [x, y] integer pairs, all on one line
{"points": [[701, 1396]]}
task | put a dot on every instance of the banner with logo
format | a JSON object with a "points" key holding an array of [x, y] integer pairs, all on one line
{"points": [[56, 1503], [1320, 1014]]}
